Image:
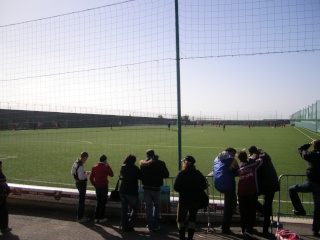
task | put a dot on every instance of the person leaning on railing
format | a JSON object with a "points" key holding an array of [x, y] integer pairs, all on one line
{"points": [[268, 185], [311, 185], [225, 169], [153, 172]]}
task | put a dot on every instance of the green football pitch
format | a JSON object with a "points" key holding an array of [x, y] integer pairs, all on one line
{"points": [[44, 157]]}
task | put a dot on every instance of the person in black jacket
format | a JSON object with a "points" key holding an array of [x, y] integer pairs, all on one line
{"points": [[268, 185], [311, 185], [129, 176], [189, 183], [4, 192], [153, 172]]}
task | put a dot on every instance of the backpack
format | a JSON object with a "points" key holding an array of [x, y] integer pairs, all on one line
{"points": [[75, 172], [286, 235]]}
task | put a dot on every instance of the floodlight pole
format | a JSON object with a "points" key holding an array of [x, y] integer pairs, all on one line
{"points": [[178, 81]]}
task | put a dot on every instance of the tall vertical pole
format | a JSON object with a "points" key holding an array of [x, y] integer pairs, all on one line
{"points": [[317, 116], [178, 82]]}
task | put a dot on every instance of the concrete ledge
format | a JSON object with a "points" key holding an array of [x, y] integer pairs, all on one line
{"points": [[67, 199], [48, 194], [64, 198]]}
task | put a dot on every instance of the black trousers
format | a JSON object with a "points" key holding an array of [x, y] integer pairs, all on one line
{"points": [[247, 207], [266, 209], [4, 219]]}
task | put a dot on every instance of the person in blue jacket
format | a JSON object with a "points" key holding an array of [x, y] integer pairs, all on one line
{"points": [[225, 169]]}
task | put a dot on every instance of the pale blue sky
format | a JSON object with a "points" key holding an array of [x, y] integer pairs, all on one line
{"points": [[250, 87]]}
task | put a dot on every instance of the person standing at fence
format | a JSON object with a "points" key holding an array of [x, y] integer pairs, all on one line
{"points": [[225, 169], [99, 179], [153, 172], [268, 185], [80, 177], [4, 192], [188, 183], [311, 185], [129, 176], [247, 192]]}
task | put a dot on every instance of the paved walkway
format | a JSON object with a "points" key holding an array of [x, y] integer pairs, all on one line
{"points": [[38, 223]]}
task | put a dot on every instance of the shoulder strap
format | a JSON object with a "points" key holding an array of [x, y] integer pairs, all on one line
{"points": [[117, 186], [76, 170]]}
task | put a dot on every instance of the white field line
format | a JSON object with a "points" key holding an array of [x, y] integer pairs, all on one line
{"points": [[304, 133], [174, 146], [3, 157], [86, 142], [312, 132], [29, 180]]}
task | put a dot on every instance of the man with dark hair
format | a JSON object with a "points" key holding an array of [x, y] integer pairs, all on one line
{"points": [[311, 185], [225, 169], [268, 184], [99, 179], [129, 176], [80, 177], [153, 172]]}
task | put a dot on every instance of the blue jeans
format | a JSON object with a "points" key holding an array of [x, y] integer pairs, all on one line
{"points": [[152, 200], [82, 188], [128, 221], [296, 202], [102, 196]]}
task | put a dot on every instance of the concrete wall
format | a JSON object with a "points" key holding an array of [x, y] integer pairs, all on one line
{"points": [[47, 120]]}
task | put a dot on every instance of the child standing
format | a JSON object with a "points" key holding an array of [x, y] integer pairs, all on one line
{"points": [[247, 192]]}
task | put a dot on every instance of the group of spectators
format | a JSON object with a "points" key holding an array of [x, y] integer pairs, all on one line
{"points": [[257, 176], [152, 172]]}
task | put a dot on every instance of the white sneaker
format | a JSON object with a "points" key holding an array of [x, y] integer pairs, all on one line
{"points": [[103, 220], [83, 220]]}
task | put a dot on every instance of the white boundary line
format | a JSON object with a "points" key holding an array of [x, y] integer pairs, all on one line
{"points": [[36, 181], [312, 132], [304, 133], [3, 157]]}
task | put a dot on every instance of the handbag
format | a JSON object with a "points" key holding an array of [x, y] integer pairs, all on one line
{"points": [[115, 195], [204, 200]]}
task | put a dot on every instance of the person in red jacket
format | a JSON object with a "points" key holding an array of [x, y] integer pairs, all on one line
{"points": [[248, 192], [99, 179]]}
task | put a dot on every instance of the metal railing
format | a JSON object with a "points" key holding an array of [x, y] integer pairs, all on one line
{"points": [[170, 198], [216, 199], [285, 207]]}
